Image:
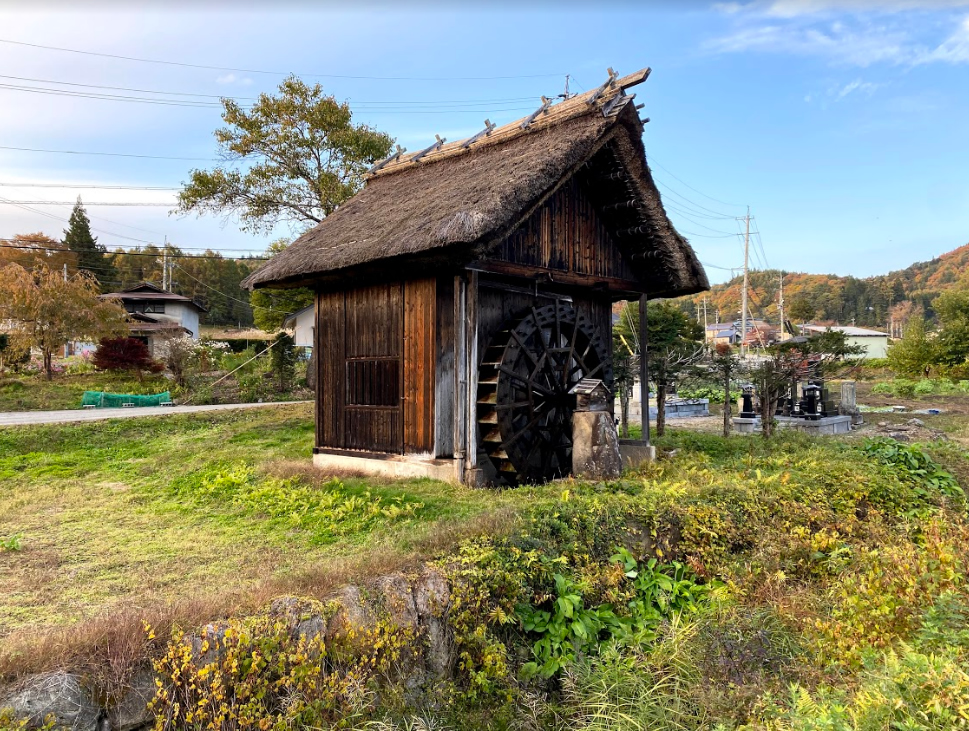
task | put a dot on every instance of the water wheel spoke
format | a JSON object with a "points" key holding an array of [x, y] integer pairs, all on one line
{"points": [[541, 356]]}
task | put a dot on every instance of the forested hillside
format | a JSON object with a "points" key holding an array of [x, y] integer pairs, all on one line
{"points": [[828, 297]]}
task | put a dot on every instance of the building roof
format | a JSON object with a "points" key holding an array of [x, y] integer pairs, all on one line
{"points": [[145, 324], [147, 292], [457, 202], [290, 319], [850, 330]]}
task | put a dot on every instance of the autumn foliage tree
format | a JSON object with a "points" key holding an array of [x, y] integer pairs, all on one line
{"points": [[42, 308]]}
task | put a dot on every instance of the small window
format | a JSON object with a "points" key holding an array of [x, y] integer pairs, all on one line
{"points": [[373, 382], [157, 308]]}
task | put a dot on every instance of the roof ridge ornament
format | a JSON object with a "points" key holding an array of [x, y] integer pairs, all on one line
{"points": [[606, 86], [430, 148], [387, 160], [489, 127], [546, 103]]}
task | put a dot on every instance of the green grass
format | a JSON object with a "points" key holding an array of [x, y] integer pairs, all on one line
{"points": [[157, 509], [35, 393]]}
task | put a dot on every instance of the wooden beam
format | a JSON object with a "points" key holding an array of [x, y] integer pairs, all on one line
{"points": [[489, 126], [505, 268], [471, 419], [644, 368], [460, 369]]}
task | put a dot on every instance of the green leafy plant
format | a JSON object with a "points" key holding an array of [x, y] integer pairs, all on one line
{"points": [[567, 629], [12, 543], [915, 466]]}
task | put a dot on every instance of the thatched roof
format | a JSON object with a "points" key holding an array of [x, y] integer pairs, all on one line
{"points": [[457, 202]]}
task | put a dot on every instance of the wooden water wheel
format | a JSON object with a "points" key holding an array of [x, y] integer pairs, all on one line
{"points": [[524, 407]]}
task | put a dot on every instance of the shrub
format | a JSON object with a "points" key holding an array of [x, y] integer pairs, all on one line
{"points": [[124, 354], [265, 674]]}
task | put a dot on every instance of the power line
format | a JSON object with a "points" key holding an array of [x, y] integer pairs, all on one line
{"points": [[274, 73], [6, 243], [193, 104], [110, 154], [734, 205], [86, 186], [92, 203], [227, 296], [706, 236], [689, 202]]}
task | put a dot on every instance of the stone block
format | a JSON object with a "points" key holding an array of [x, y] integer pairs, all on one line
{"points": [[595, 446]]}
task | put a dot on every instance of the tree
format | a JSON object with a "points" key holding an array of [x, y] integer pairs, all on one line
{"points": [[301, 157], [282, 358], [271, 306], [724, 364], [673, 345], [90, 254], [46, 311], [30, 250], [820, 356], [801, 309], [124, 354], [914, 354], [952, 345]]}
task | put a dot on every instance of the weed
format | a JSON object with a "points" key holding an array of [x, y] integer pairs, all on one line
{"points": [[12, 543]]}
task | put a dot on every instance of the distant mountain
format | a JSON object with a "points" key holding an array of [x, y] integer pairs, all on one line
{"points": [[869, 302]]}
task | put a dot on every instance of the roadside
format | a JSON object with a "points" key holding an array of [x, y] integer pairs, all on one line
{"points": [[24, 418]]}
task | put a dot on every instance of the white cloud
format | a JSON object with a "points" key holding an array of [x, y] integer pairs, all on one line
{"points": [[955, 49], [233, 79], [862, 87], [857, 48], [852, 42], [797, 8]]}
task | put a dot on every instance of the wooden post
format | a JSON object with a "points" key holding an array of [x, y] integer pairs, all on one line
{"points": [[643, 369], [471, 421], [460, 371]]}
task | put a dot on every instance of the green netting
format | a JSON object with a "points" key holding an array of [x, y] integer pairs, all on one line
{"points": [[115, 400]]}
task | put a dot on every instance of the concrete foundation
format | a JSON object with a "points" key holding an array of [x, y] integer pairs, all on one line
{"points": [[447, 470], [826, 425], [634, 453], [682, 408]]}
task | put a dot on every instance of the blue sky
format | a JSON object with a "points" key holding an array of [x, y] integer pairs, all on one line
{"points": [[844, 130]]}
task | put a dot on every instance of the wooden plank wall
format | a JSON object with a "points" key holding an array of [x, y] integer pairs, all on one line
{"points": [[567, 234], [420, 356], [330, 359], [444, 390]]}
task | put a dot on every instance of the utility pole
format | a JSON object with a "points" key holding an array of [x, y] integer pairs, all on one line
{"points": [[165, 270], [705, 323], [780, 308], [65, 272], [743, 299]]}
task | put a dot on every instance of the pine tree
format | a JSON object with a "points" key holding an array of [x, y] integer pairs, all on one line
{"points": [[90, 254]]}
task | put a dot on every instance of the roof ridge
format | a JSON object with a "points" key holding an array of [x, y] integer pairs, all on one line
{"points": [[610, 98]]}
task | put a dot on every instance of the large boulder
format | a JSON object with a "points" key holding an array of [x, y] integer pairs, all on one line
{"points": [[59, 694]]}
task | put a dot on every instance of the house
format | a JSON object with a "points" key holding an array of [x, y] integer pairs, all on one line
{"points": [[468, 287], [302, 323], [874, 342], [153, 311]]}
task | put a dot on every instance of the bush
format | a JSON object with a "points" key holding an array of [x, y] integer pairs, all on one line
{"points": [[714, 394], [124, 354]]}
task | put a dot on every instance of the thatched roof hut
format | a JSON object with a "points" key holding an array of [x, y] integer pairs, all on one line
{"points": [[467, 288], [458, 202]]}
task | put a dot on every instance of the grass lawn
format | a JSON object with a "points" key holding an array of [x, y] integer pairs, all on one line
{"points": [[34, 393], [213, 507]]}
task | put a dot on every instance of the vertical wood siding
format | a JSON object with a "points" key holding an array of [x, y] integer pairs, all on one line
{"points": [[330, 359], [566, 234], [444, 388], [420, 336]]}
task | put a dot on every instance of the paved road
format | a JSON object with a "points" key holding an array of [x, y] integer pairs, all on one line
{"points": [[19, 418]]}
